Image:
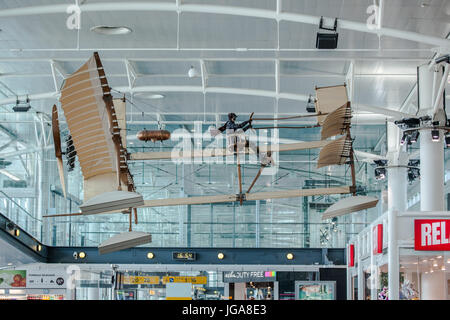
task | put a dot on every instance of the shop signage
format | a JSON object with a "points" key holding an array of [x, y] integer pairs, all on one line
{"points": [[432, 234], [351, 255], [178, 279], [377, 239], [248, 276], [184, 256], [46, 280], [140, 280], [13, 279]]}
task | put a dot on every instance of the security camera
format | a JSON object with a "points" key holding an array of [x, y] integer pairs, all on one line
{"points": [[75, 255]]}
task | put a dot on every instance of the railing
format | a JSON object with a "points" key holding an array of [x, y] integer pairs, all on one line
{"points": [[20, 216]]}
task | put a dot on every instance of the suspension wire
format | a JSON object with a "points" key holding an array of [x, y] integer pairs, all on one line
{"points": [[199, 184]]}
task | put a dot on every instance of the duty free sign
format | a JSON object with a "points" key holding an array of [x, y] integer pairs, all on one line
{"points": [[432, 235]]}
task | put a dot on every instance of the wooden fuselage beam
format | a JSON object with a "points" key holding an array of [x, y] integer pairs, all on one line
{"points": [[248, 196], [205, 153]]}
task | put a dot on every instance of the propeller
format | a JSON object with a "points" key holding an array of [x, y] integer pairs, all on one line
{"points": [[58, 152]]}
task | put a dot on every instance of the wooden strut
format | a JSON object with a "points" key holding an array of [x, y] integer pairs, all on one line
{"points": [[281, 127], [352, 164], [256, 178], [130, 228], [293, 117], [239, 176], [108, 99]]}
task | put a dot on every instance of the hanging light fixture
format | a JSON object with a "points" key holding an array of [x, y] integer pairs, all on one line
{"points": [[414, 136], [435, 136], [447, 141]]}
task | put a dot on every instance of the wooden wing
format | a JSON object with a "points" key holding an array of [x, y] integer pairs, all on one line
{"points": [[349, 205], [336, 152], [337, 122], [92, 122], [328, 99]]}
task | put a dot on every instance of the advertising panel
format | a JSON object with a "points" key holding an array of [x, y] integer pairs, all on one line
{"points": [[378, 239], [351, 255], [431, 234], [13, 279], [315, 290]]}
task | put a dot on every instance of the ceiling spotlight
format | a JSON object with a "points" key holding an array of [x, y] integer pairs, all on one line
{"points": [[447, 141], [290, 256], [22, 107], [380, 173], [408, 123], [414, 136], [311, 106], [16, 232], [39, 247], [381, 163], [435, 136], [404, 139], [327, 40], [82, 255], [193, 72], [111, 30], [150, 255], [220, 256]]}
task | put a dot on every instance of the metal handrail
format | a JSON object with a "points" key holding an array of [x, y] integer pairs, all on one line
{"points": [[18, 205]]}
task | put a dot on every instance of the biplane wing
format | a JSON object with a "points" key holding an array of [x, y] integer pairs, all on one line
{"points": [[93, 125], [234, 198], [96, 124], [328, 99]]}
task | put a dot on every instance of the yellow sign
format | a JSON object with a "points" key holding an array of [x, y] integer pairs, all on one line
{"points": [[193, 280], [141, 280]]}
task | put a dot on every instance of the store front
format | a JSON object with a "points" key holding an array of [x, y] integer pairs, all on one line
{"points": [[251, 285], [414, 264], [31, 283]]}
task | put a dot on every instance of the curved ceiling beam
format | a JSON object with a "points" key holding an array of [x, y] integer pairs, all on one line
{"points": [[199, 89], [226, 10]]}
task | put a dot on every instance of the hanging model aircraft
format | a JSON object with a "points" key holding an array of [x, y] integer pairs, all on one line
{"points": [[92, 120], [96, 124]]}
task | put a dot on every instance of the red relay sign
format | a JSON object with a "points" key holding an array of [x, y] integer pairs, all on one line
{"points": [[377, 239], [432, 235]]}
